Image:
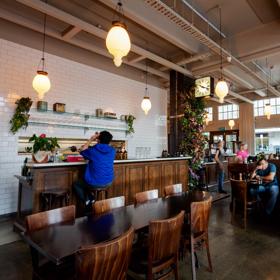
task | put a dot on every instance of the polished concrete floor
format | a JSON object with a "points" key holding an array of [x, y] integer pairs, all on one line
{"points": [[236, 254]]}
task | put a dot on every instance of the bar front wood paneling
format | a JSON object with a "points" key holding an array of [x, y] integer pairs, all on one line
{"points": [[130, 177]]}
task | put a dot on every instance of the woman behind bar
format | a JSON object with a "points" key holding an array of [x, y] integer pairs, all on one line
{"points": [[219, 158], [242, 154]]}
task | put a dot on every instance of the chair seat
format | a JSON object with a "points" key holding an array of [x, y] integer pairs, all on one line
{"points": [[55, 192]]}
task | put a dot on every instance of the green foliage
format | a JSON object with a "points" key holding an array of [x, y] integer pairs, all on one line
{"points": [[43, 143], [193, 123], [260, 156], [129, 120], [21, 116]]}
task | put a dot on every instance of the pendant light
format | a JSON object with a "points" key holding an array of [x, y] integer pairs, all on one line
{"points": [[267, 107], [41, 82], [231, 123], [146, 104], [117, 40], [267, 110], [221, 88]]}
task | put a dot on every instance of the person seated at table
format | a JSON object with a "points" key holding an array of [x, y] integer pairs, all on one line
{"points": [[100, 168], [242, 154], [265, 172], [271, 156]]}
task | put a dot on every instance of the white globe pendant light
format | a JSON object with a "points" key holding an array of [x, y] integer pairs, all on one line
{"points": [[41, 82], [117, 40], [231, 123], [267, 110], [146, 104], [221, 90]]}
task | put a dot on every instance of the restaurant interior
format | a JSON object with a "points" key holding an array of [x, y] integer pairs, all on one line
{"points": [[189, 91]]}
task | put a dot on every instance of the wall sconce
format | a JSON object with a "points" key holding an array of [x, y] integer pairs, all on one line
{"points": [[231, 123]]}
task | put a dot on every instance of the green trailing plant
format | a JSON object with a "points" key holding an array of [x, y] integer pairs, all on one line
{"points": [[21, 115], [129, 120], [193, 142], [260, 156], [43, 143]]}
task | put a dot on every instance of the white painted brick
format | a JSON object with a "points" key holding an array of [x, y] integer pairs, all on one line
{"points": [[82, 88]]}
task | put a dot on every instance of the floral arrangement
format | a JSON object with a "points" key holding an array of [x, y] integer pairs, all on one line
{"points": [[194, 141], [129, 120], [43, 143]]}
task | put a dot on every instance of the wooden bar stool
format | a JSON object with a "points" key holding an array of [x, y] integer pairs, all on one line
{"points": [[98, 192], [55, 198]]}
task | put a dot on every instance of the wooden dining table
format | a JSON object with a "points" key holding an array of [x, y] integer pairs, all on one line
{"points": [[59, 241]]}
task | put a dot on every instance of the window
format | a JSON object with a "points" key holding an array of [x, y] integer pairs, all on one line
{"points": [[259, 106], [209, 110], [228, 112]]}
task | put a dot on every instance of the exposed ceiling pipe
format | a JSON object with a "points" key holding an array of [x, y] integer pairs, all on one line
{"points": [[204, 39]]}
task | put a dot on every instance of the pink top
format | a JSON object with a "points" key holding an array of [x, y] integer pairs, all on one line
{"points": [[243, 154]]}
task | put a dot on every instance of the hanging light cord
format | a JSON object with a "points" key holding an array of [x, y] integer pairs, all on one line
{"points": [[44, 42], [119, 13], [221, 53]]}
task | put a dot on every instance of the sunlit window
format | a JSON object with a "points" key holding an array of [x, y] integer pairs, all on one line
{"points": [[210, 113], [228, 112], [260, 104]]}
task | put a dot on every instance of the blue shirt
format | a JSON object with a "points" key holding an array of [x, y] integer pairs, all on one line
{"points": [[100, 168], [270, 168]]}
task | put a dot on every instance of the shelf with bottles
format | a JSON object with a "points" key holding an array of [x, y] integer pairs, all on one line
{"points": [[75, 120]]}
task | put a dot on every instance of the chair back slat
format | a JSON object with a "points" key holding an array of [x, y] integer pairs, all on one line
{"points": [[200, 213], [106, 205], [108, 260], [44, 219], [164, 237], [239, 190], [173, 189], [142, 197]]}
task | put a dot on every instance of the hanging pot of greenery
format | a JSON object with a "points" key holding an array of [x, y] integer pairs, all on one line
{"points": [[129, 120], [21, 115]]}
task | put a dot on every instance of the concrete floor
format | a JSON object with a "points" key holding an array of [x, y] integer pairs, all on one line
{"points": [[236, 254]]}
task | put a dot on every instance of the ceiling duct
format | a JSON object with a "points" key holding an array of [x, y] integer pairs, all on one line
{"points": [[185, 25]]}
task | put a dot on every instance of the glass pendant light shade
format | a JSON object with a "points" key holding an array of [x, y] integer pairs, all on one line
{"points": [[146, 104], [41, 83], [231, 123], [221, 90], [267, 110], [118, 42]]}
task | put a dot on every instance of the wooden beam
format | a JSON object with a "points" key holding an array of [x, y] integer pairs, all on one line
{"points": [[70, 32]]}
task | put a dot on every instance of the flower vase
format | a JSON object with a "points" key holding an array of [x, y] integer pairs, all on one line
{"points": [[41, 157]]}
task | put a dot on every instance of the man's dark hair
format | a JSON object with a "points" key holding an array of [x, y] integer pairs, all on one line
{"points": [[260, 160], [105, 137]]}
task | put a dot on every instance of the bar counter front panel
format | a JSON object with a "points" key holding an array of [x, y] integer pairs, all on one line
{"points": [[131, 176]]}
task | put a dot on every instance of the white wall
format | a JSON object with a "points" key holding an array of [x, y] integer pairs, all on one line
{"points": [[80, 87]]}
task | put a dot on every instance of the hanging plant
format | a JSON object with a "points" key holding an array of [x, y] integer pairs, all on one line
{"points": [[129, 120], [21, 115], [194, 141]]}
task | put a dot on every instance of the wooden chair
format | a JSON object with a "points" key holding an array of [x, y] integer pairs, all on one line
{"points": [[239, 196], [241, 171], [160, 259], [143, 197], [41, 220], [108, 260], [173, 190], [103, 206], [198, 235], [42, 269]]}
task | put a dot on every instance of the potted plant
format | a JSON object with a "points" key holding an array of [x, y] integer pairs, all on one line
{"points": [[21, 115], [129, 120], [42, 147]]}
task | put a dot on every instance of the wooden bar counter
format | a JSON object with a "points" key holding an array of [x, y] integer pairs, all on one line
{"points": [[131, 176]]}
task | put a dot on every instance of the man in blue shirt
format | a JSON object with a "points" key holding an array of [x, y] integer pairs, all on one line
{"points": [[100, 168], [266, 172]]}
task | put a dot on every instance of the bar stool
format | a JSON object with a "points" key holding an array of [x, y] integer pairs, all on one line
{"points": [[54, 197], [98, 192]]}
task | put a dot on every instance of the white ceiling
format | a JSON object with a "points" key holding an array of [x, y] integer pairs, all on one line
{"points": [[251, 31]]}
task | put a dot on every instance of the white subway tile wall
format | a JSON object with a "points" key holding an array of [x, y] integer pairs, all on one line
{"points": [[81, 88]]}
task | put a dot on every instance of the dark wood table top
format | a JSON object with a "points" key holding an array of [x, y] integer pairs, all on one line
{"points": [[61, 240]]}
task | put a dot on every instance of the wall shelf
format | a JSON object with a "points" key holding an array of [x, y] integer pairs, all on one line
{"points": [[75, 121]]}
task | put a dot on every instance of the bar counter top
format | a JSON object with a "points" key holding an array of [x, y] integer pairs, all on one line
{"points": [[61, 164]]}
